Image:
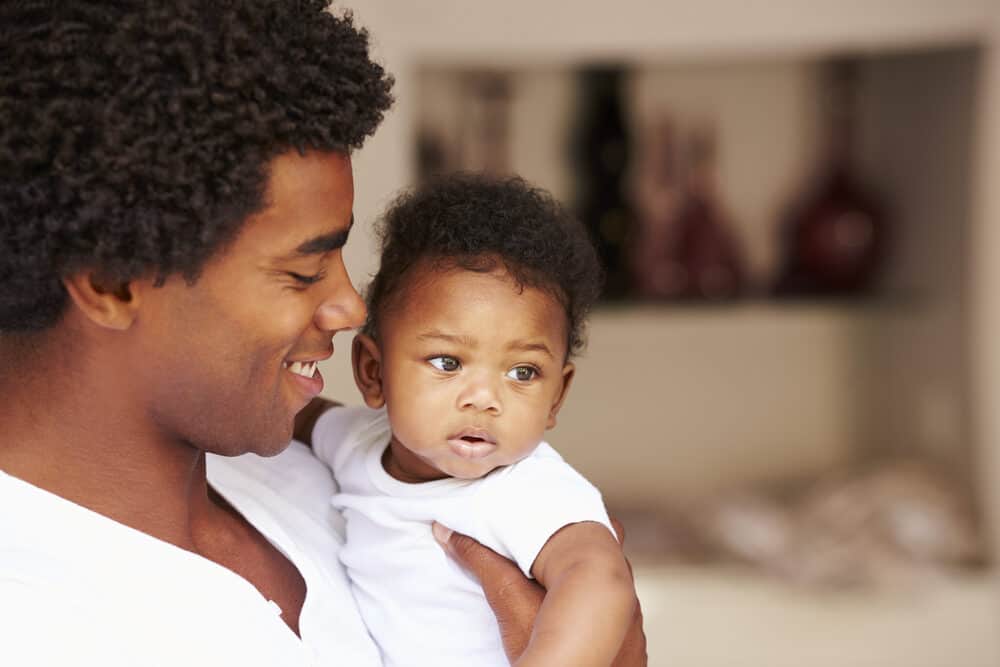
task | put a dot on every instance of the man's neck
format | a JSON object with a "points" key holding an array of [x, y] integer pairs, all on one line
{"points": [[72, 432]]}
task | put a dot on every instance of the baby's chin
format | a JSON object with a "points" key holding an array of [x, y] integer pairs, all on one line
{"points": [[466, 474], [469, 470]]}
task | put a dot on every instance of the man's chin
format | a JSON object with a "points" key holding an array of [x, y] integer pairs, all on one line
{"points": [[265, 446], [274, 447]]}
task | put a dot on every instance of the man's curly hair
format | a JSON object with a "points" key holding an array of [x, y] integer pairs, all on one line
{"points": [[479, 223], [135, 135]]}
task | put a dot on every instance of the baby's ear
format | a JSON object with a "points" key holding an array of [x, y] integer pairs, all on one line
{"points": [[567, 378], [366, 359]]}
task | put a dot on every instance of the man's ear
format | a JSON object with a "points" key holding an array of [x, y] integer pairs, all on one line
{"points": [[108, 304], [366, 358], [567, 379]]}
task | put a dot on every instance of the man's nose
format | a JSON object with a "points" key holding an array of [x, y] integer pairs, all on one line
{"points": [[482, 394], [343, 308]]}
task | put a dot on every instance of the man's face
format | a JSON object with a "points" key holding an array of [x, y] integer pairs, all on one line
{"points": [[223, 359], [473, 372]]}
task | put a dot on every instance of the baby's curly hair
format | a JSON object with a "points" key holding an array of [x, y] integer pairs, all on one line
{"points": [[479, 223], [135, 135]]}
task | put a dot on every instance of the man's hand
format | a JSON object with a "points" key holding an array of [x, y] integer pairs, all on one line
{"points": [[515, 599]]}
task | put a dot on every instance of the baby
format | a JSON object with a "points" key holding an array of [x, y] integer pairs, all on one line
{"points": [[475, 312]]}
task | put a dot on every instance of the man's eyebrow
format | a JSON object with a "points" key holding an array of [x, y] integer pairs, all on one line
{"points": [[530, 346], [467, 341], [323, 244]]}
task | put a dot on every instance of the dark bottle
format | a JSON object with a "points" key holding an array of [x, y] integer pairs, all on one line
{"points": [[600, 158], [834, 236], [706, 261], [484, 135], [657, 192]]}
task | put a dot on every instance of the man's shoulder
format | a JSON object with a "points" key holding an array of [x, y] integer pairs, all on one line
{"points": [[39, 534], [543, 463], [42, 625]]}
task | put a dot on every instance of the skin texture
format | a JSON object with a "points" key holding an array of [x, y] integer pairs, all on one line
{"points": [[589, 594], [473, 352], [188, 369], [258, 315], [464, 351]]}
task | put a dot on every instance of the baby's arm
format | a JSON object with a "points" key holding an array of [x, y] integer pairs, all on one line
{"points": [[589, 603], [305, 420]]}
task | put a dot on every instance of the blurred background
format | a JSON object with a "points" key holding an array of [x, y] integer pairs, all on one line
{"points": [[790, 390]]}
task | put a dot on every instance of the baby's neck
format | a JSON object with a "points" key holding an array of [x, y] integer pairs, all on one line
{"points": [[407, 468]]}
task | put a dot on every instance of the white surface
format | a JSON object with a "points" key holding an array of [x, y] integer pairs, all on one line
{"points": [[519, 30], [715, 617], [78, 588], [671, 405]]}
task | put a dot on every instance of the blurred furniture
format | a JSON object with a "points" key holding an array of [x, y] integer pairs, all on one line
{"points": [[721, 617]]}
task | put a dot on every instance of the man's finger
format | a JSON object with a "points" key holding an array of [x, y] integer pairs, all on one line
{"points": [[514, 598], [472, 555]]}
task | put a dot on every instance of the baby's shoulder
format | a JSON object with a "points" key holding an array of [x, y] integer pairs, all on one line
{"points": [[544, 466], [346, 432]]}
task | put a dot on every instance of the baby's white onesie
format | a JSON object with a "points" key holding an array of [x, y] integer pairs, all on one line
{"points": [[420, 607]]}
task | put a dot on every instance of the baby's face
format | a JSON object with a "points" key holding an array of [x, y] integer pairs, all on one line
{"points": [[473, 372]]}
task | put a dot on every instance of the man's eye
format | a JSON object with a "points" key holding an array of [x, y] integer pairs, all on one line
{"points": [[307, 280], [522, 373], [445, 363]]}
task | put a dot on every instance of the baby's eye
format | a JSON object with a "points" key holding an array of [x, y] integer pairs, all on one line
{"points": [[445, 363], [522, 373]]}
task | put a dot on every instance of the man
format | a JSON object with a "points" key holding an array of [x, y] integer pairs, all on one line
{"points": [[175, 192]]}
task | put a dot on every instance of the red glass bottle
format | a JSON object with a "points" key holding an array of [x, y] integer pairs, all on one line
{"points": [[656, 189], [706, 261], [834, 236]]}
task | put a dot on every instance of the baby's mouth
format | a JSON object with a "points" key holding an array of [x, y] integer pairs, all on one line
{"points": [[472, 443], [474, 436]]}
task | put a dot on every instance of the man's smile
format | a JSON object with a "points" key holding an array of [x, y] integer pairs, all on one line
{"points": [[305, 369]]}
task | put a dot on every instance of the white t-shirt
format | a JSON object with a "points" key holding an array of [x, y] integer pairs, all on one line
{"points": [[419, 605], [77, 588]]}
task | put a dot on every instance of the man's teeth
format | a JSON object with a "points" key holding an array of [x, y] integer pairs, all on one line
{"points": [[307, 369]]}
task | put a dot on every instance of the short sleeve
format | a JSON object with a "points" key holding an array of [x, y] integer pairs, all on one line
{"points": [[340, 429], [522, 506]]}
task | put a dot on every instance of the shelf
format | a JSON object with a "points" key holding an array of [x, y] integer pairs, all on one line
{"points": [[897, 302]]}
